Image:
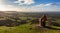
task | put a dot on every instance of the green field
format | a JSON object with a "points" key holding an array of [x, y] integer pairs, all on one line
{"points": [[28, 28], [26, 23], [25, 28]]}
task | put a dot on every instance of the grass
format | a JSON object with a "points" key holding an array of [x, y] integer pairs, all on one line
{"points": [[25, 28], [55, 27]]}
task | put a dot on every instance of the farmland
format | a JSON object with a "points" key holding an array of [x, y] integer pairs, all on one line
{"points": [[20, 22]]}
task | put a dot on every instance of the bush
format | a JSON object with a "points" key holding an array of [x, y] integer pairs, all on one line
{"points": [[23, 22]]}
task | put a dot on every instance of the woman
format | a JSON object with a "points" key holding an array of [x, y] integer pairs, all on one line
{"points": [[43, 20]]}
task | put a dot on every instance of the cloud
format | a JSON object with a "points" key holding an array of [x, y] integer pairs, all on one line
{"points": [[26, 2], [49, 4], [35, 8], [42, 8]]}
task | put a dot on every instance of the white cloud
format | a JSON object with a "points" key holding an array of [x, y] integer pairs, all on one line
{"points": [[49, 4], [42, 8], [26, 2], [35, 8], [29, 2]]}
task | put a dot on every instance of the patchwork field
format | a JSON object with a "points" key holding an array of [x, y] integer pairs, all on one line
{"points": [[28, 23]]}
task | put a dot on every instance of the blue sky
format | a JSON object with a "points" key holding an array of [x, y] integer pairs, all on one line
{"points": [[30, 5]]}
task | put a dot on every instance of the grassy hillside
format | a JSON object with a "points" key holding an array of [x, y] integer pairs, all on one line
{"points": [[16, 22], [25, 28]]}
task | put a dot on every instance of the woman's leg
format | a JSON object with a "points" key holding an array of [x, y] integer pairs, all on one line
{"points": [[43, 24]]}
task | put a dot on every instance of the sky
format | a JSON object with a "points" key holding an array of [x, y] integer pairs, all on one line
{"points": [[30, 5]]}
